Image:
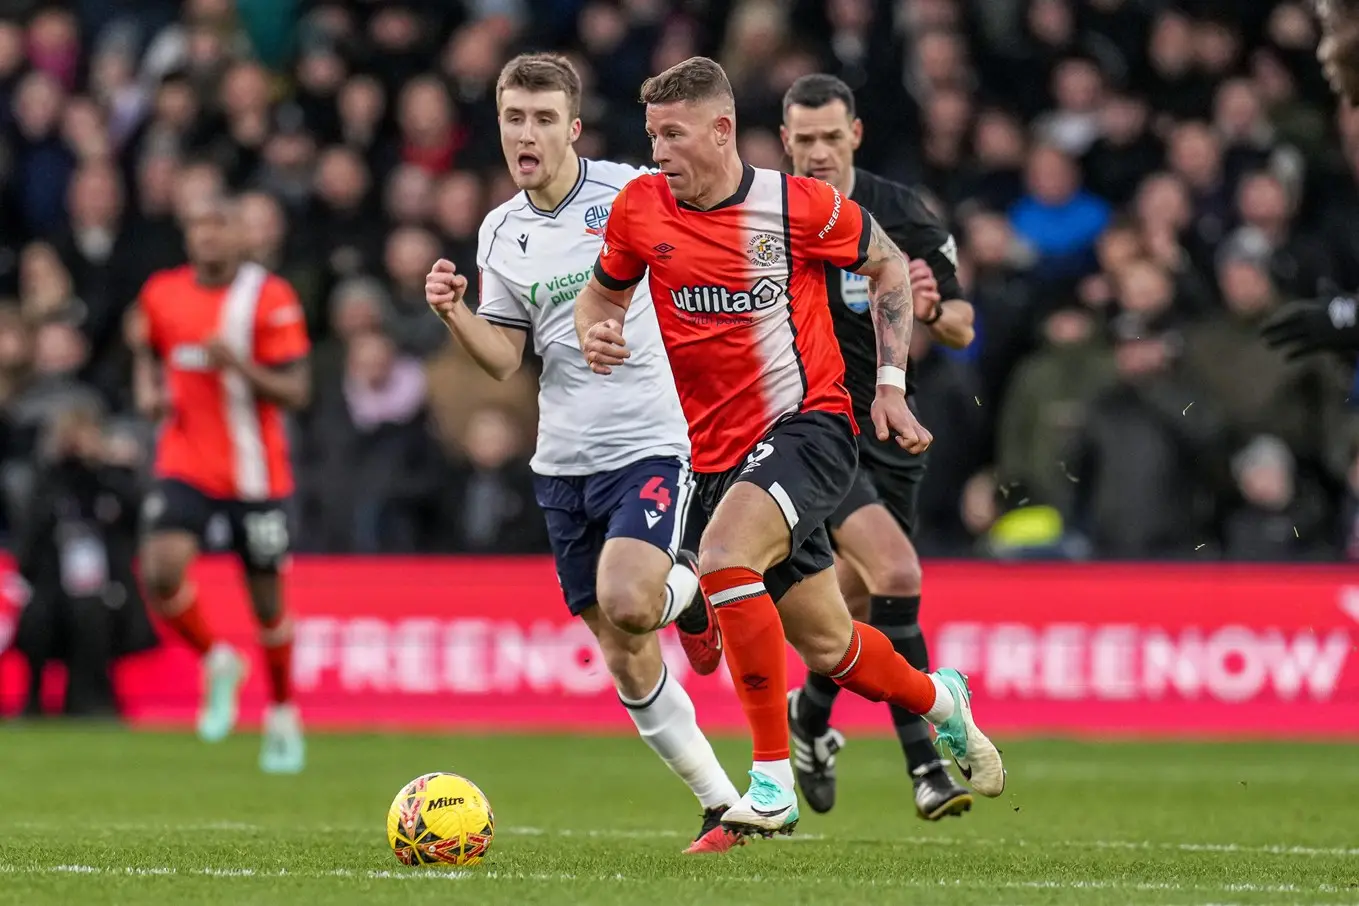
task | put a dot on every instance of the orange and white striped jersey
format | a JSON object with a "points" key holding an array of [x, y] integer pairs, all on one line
{"points": [[218, 436], [740, 294]]}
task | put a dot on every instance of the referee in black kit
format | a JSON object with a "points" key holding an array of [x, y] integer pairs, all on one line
{"points": [[876, 563]]}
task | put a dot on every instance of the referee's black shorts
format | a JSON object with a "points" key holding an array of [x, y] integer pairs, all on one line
{"points": [[887, 475]]}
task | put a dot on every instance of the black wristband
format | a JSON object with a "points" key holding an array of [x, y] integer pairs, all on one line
{"points": [[938, 313]]}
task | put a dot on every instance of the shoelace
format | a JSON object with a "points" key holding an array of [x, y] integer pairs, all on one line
{"points": [[945, 744]]}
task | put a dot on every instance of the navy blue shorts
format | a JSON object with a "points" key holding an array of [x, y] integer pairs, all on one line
{"points": [[648, 500]]}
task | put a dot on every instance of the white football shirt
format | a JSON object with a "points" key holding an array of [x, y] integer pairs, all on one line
{"points": [[533, 263]]}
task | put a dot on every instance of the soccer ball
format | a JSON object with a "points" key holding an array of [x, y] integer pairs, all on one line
{"points": [[440, 819]]}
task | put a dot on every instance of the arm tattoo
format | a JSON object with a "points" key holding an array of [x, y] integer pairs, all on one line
{"points": [[889, 292]]}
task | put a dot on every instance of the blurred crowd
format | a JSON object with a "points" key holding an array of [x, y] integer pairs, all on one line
{"points": [[1134, 185]]}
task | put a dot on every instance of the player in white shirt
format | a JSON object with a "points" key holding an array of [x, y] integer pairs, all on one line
{"points": [[611, 471]]}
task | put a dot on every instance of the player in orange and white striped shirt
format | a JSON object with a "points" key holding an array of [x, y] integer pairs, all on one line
{"points": [[220, 350], [735, 257]]}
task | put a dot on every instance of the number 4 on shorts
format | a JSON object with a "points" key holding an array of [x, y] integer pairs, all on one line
{"points": [[656, 491]]}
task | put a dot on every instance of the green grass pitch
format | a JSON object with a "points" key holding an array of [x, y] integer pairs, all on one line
{"points": [[90, 816]]}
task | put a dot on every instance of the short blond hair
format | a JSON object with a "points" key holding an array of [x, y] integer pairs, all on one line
{"points": [[695, 79], [542, 72], [1338, 49]]}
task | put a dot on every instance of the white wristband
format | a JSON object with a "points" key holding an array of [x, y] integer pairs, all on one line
{"points": [[892, 376]]}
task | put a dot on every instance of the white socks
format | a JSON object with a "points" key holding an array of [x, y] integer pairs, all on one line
{"points": [[782, 771], [666, 720], [681, 585], [943, 706]]}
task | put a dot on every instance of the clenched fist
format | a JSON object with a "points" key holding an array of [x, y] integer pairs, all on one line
{"points": [[604, 346], [444, 288], [925, 298]]}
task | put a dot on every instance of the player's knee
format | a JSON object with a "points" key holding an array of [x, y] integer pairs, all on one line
{"points": [[629, 604], [163, 564], [738, 541], [822, 651], [896, 576], [715, 552], [161, 579]]}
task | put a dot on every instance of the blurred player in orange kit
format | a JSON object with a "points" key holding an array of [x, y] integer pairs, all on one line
{"points": [[220, 351]]}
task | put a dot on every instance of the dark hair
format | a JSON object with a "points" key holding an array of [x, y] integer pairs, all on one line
{"points": [[818, 90], [542, 72], [695, 79]]}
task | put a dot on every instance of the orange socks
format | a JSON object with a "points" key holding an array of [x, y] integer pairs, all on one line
{"points": [[187, 621], [753, 640], [276, 639], [872, 668], [277, 642]]}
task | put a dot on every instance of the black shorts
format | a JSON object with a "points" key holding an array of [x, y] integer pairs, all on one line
{"points": [[887, 475], [806, 463], [255, 530]]}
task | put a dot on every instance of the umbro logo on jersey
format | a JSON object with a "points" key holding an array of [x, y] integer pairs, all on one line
{"points": [[523, 242], [720, 300], [664, 249]]}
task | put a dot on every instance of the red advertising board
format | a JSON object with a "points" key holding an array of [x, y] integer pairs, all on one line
{"points": [[1074, 649]]}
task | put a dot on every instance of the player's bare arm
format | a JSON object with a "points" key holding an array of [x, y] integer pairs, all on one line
{"points": [[893, 311], [890, 297], [287, 385], [497, 349], [949, 321], [148, 393], [599, 325]]}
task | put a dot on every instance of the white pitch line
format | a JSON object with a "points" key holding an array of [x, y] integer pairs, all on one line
{"points": [[1242, 849], [1223, 848], [203, 827], [435, 875], [1231, 849], [1079, 771]]}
